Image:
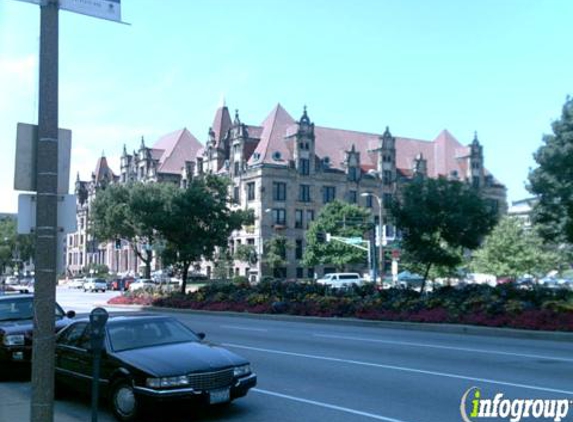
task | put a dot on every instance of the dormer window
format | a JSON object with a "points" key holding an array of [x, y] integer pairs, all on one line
{"points": [[353, 174], [277, 156]]}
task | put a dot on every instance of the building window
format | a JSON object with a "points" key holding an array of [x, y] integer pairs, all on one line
{"points": [[298, 219], [299, 272], [251, 242], [237, 167], [298, 249], [475, 182], [387, 177], [304, 193], [279, 191], [251, 191], [310, 272], [279, 216], [353, 174], [309, 217], [236, 197], [352, 197], [328, 194], [368, 200], [304, 166], [387, 200]]}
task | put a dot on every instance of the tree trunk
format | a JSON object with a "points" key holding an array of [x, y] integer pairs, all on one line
{"points": [[147, 261], [184, 273], [425, 278]]}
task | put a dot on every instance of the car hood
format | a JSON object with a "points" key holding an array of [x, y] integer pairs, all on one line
{"points": [[181, 358]]}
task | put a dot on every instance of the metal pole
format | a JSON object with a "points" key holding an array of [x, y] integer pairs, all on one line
{"points": [[42, 403], [380, 237]]}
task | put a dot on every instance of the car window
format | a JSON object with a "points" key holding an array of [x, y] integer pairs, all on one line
{"points": [[148, 333], [348, 277], [16, 309], [75, 336]]}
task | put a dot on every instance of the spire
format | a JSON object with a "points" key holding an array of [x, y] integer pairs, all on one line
{"points": [[124, 150], [304, 119], [142, 142], [475, 141], [77, 177], [237, 121], [103, 153], [387, 133]]}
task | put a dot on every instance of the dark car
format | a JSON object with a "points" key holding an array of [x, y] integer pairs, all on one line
{"points": [[149, 359], [17, 324]]}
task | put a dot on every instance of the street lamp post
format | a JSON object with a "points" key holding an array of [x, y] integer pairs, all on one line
{"points": [[381, 237]]}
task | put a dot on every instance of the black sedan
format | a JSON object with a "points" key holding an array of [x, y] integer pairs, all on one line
{"points": [[147, 359], [17, 324]]}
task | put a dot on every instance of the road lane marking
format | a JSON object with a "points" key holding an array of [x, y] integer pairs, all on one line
{"points": [[403, 368], [435, 346], [237, 327], [326, 405]]}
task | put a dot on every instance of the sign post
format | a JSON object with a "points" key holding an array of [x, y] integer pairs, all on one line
{"points": [[46, 187]]}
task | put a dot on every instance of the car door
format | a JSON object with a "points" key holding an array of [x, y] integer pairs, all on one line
{"points": [[72, 367]]}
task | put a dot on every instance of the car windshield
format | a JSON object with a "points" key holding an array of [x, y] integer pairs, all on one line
{"points": [[20, 308], [148, 333]]}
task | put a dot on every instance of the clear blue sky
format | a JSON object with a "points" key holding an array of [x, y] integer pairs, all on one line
{"points": [[503, 68]]}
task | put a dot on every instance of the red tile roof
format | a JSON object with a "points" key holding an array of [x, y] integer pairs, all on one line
{"points": [[178, 147], [102, 170], [272, 137], [221, 123]]}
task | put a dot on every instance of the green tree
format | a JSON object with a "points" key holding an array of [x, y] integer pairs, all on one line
{"points": [[197, 220], [246, 253], [512, 250], [222, 264], [440, 218], [552, 181], [14, 248], [275, 250], [132, 212], [338, 219]]}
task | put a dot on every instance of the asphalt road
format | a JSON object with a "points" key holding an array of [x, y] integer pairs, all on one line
{"points": [[339, 373]]}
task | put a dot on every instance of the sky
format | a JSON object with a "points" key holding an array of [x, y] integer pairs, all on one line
{"points": [[501, 68]]}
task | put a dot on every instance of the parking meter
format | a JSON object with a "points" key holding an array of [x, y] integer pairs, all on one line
{"points": [[98, 319]]}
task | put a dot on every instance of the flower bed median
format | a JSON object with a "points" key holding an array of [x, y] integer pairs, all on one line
{"points": [[501, 306]]}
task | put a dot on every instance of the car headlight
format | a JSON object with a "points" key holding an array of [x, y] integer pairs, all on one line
{"points": [[240, 371], [13, 340], [167, 382]]}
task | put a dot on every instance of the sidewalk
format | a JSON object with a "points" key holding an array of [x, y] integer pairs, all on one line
{"points": [[15, 406]]}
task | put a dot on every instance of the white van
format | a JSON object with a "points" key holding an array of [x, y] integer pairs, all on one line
{"points": [[341, 279]]}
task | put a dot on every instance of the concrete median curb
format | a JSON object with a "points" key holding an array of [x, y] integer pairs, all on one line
{"points": [[415, 326]]}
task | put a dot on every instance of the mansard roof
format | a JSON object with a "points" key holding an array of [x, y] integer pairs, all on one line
{"points": [[177, 148], [443, 154]]}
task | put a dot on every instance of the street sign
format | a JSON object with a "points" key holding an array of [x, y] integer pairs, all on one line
{"points": [[67, 222], [102, 9], [354, 240], [26, 151]]}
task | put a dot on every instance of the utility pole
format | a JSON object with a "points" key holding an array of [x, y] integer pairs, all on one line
{"points": [[42, 404]]}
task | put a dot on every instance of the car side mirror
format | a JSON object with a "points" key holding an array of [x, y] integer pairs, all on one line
{"points": [[71, 314], [201, 336]]}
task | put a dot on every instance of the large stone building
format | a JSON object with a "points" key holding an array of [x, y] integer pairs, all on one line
{"points": [[286, 170]]}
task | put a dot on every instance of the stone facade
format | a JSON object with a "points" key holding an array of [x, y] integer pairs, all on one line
{"points": [[286, 170]]}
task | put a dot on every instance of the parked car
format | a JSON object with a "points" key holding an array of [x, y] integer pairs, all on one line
{"points": [[341, 279], [147, 359], [77, 283], [95, 284], [11, 280], [16, 326], [142, 283]]}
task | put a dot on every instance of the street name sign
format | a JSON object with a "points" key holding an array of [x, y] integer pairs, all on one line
{"points": [[102, 9]]}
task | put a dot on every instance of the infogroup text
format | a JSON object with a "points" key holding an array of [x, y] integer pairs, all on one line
{"points": [[473, 407]]}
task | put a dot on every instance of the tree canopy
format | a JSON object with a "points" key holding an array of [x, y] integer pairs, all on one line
{"points": [[552, 181], [338, 219], [439, 218], [197, 220], [132, 212], [512, 250], [14, 248]]}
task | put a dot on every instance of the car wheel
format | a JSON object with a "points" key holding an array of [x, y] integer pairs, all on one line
{"points": [[123, 401], [85, 290]]}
